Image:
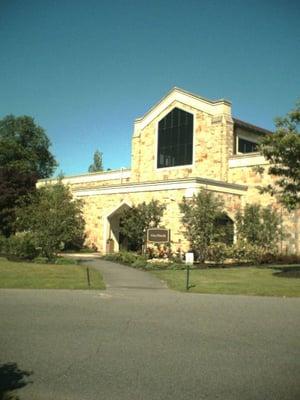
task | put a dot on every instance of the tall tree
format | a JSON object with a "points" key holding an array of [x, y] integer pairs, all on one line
{"points": [[204, 222], [135, 221], [282, 150], [14, 184], [97, 165], [53, 218], [24, 145], [261, 226], [24, 158]]}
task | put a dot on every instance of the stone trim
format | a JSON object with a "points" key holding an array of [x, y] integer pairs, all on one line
{"points": [[246, 161], [189, 185], [216, 107], [88, 178]]}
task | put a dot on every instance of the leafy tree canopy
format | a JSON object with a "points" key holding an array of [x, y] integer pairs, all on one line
{"points": [[135, 221], [53, 218], [97, 165], [24, 146], [259, 225], [282, 150], [24, 158], [203, 217], [13, 185]]}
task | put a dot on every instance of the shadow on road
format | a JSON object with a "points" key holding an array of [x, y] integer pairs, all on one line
{"points": [[11, 379]]}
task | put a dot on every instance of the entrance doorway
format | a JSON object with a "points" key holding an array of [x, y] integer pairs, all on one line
{"points": [[114, 240]]}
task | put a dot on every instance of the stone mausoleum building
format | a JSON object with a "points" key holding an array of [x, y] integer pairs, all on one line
{"points": [[183, 143]]}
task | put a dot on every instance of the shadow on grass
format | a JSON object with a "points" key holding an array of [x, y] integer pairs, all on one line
{"points": [[287, 272], [11, 379]]}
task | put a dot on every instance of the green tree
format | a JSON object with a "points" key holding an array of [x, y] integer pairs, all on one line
{"points": [[24, 145], [259, 226], [201, 217], [24, 158], [97, 165], [53, 218], [135, 221], [13, 185], [282, 150]]}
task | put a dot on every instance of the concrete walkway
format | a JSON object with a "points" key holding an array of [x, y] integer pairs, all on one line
{"points": [[118, 276]]}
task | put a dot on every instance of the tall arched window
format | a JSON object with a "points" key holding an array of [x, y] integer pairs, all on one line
{"points": [[175, 139]]}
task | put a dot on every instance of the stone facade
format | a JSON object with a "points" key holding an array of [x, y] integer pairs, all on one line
{"points": [[216, 166]]}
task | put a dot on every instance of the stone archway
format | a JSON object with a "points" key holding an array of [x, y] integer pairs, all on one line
{"points": [[227, 228], [112, 228]]}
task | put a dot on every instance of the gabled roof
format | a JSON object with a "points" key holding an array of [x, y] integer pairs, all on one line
{"points": [[176, 89], [213, 107]]}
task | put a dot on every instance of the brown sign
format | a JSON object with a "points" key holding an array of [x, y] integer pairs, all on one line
{"points": [[158, 235]]}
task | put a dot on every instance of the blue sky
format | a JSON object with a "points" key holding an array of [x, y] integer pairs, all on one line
{"points": [[86, 69]]}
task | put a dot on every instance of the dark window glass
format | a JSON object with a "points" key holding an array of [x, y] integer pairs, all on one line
{"points": [[245, 146], [175, 139]]}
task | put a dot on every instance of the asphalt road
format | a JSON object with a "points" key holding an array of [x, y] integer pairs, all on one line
{"points": [[138, 340]]}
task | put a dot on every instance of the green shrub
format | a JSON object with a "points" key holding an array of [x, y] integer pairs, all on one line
{"points": [[53, 217], [205, 223], [109, 257], [128, 258], [125, 257], [287, 259], [3, 243], [176, 259], [251, 253], [65, 261], [158, 266], [217, 253], [140, 263], [161, 266], [21, 246], [259, 226]]}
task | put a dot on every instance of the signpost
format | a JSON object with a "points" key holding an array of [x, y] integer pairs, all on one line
{"points": [[189, 260], [158, 235]]}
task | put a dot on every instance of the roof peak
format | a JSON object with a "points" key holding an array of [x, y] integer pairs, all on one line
{"points": [[177, 88]]}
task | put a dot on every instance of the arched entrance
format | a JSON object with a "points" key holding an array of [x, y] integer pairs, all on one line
{"points": [[225, 228], [114, 241]]}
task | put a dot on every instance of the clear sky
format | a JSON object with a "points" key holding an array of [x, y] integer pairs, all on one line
{"points": [[85, 69]]}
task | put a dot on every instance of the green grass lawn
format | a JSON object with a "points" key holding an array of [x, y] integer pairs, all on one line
{"points": [[47, 276], [256, 281]]}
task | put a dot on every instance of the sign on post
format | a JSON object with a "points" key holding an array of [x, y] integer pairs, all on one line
{"points": [[189, 258], [158, 235]]}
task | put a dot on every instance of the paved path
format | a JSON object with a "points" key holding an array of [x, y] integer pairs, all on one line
{"points": [[139, 341], [121, 277]]}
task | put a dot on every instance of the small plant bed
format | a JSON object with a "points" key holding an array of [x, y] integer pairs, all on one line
{"points": [[142, 262], [275, 280], [62, 275]]}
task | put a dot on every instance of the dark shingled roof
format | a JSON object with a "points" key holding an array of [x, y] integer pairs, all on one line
{"points": [[250, 127]]}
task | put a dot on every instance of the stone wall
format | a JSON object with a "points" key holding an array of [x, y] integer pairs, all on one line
{"points": [[98, 208], [241, 170], [213, 144]]}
